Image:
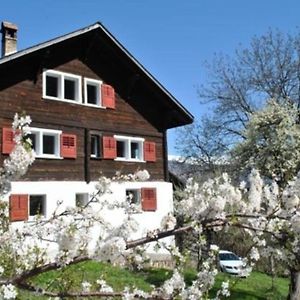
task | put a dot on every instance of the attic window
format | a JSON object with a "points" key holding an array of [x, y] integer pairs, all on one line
{"points": [[92, 92], [52, 88], [61, 86]]}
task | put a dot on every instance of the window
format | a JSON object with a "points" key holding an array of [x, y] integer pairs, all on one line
{"points": [[45, 142], [68, 87], [92, 94], [133, 196], [122, 149], [95, 145], [129, 148], [52, 86], [48, 144], [37, 205], [81, 199], [61, 86], [135, 150], [23, 206], [145, 198]]}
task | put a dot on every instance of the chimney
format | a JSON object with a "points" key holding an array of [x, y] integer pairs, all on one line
{"points": [[9, 38]]}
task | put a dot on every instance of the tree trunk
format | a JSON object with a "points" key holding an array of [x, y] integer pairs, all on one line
{"points": [[294, 291]]}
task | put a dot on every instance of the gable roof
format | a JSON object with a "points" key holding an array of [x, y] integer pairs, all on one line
{"points": [[176, 114]]}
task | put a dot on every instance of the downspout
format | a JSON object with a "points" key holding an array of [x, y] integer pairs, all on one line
{"points": [[165, 156]]}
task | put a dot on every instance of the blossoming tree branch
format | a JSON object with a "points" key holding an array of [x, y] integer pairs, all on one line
{"points": [[268, 213]]}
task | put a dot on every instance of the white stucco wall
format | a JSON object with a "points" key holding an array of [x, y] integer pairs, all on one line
{"points": [[65, 191]]}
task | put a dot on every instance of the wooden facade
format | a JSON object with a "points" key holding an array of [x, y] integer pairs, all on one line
{"points": [[142, 109]]}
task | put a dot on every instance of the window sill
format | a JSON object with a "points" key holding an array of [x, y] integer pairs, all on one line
{"points": [[78, 102], [95, 157], [129, 160], [36, 218], [48, 157], [92, 105]]}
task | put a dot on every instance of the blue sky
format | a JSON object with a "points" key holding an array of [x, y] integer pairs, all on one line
{"points": [[171, 39]]}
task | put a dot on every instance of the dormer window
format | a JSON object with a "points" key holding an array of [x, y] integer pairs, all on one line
{"points": [[61, 86]]}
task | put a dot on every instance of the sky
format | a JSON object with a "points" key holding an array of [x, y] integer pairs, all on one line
{"points": [[171, 39]]}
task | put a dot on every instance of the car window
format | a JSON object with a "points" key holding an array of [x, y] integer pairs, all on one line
{"points": [[228, 256]]}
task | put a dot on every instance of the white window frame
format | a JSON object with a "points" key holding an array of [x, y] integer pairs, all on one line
{"points": [[39, 133], [136, 208], [137, 191], [128, 140], [96, 83], [96, 146], [61, 86], [43, 214]]}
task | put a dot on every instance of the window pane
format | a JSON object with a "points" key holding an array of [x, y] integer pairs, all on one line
{"points": [[135, 150], [82, 199], [51, 86], [48, 144], [70, 86], [133, 196], [95, 146], [36, 205], [121, 152], [92, 94]]}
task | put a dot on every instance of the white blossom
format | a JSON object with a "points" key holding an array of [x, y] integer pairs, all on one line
{"points": [[225, 289], [168, 222], [254, 254], [173, 285], [255, 192], [260, 206], [142, 175], [295, 222], [214, 248], [8, 292], [86, 286]]}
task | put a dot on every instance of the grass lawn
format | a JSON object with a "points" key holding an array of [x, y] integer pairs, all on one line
{"points": [[257, 286]]}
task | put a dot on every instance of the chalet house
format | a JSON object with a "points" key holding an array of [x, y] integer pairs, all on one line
{"points": [[95, 110]]}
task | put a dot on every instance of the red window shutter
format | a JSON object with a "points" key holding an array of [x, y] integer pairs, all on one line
{"points": [[18, 207], [108, 96], [109, 147], [7, 140], [68, 145], [150, 151], [149, 202]]}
